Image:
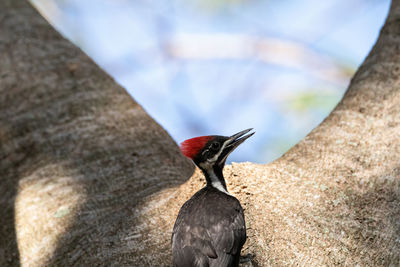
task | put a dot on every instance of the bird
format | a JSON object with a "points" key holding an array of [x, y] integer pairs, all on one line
{"points": [[210, 228]]}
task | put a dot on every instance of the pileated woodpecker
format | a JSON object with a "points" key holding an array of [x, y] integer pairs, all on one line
{"points": [[210, 229]]}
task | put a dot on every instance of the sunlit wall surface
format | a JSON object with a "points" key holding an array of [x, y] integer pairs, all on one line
{"points": [[203, 67]]}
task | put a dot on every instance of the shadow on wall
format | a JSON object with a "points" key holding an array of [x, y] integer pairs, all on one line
{"points": [[78, 155]]}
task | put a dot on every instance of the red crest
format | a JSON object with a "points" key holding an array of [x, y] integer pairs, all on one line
{"points": [[191, 147]]}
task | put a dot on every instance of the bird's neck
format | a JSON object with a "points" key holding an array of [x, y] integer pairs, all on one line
{"points": [[215, 177]]}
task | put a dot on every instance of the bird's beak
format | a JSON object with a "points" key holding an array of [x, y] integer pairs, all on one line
{"points": [[233, 142]]}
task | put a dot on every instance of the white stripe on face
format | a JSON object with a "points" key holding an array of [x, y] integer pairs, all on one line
{"points": [[216, 156]]}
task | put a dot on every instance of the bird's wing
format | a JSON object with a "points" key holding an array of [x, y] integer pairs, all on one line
{"points": [[212, 235], [191, 246], [229, 234], [195, 237]]}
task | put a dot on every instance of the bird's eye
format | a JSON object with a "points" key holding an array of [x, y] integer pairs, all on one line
{"points": [[215, 145]]}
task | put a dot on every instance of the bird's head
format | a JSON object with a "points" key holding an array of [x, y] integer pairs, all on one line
{"points": [[209, 152]]}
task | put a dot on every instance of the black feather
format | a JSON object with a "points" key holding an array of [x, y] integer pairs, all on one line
{"points": [[210, 230]]}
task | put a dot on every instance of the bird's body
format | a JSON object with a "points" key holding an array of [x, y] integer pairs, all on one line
{"points": [[209, 237], [210, 229]]}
